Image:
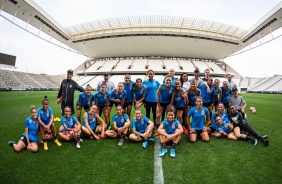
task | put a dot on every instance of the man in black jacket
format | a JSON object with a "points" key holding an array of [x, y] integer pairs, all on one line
{"points": [[68, 86]]}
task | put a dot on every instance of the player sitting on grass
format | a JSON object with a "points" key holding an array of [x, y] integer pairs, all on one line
{"points": [[121, 123], [240, 124], [170, 131], [46, 120], [30, 136], [223, 129], [70, 130], [89, 126], [141, 128], [84, 100]]}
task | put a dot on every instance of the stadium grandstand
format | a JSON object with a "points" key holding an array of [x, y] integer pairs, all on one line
{"points": [[132, 45]]}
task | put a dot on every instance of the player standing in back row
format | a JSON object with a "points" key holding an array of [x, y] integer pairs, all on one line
{"points": [[66, 92]]}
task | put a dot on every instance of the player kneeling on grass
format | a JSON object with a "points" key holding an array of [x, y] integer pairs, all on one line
{"points": [[121, 123], [89, 126], [30, 136], [170, 131], [46, 120], [198, 127], [141, 128], [70, 130], [223, 129]]}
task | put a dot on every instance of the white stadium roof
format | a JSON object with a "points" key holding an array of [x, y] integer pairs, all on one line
{"points": [[144, 35]]}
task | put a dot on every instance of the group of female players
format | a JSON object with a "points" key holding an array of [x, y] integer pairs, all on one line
{"points": [[179, 100]]}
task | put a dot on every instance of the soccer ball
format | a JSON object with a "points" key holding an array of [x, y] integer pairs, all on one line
{"points": [[70, 134], [48, 136], [61, 129]]}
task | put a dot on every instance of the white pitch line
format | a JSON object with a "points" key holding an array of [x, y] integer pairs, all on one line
{"points": [[158, 167]]}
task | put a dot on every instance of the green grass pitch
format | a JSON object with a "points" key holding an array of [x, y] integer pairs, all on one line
{"points": [[218, 161]]}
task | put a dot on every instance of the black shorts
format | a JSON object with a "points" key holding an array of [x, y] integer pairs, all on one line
{"points": [[85, 107], [198, 132], [180, 108], [112, 104], [23, 138], [215, 103], [63, 108], [207, 104], [126, 104], [164, 105]]}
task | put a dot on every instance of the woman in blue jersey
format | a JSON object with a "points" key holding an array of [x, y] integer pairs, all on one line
{"points": [[46, 120], [118, 97], [180, 100], [141, 129], [121, 124], [152, 86], [89, 126], [219, 113], [215, 94], [138, 93], [30, 136], [70, 129], [128, 86], [102, 99], [200, 119], [223, 129], [85, 101], [170, 131], [224, 95], [206, 94], [166, 93], [192, 94]]}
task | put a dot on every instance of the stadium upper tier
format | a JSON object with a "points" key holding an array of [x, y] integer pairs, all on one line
{"points": [[140, 66], [142, 35]]}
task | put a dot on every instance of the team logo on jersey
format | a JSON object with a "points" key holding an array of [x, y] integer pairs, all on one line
{"points": [[120, 96], [142, 121], [173, 125], [70, 85], [71, 122], [105, 97], [170, 91], [203, 112], [122, 120]]}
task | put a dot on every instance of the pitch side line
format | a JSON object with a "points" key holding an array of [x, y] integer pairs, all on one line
{"points": [[158, 168]]}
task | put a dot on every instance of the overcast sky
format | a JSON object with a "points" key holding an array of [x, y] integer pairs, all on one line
{"points": [[38, 56]]}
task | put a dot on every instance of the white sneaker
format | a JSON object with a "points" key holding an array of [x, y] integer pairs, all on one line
{"points": [[78, 145]]}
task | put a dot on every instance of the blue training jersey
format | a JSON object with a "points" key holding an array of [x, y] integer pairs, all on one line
{"points": [[32, 129], [120, 120], [223, 128], [45, 116], [224, 118], [192, 97], [179, 100], [225, 95], [152, 87], [140, 125], [206, 96], [215, 93], [101, 99], [128, 88], [85, 100], [91, 121], [166, 93], [120, 96], [68, 122], [198, 117], [138, 93], [170, 127]]}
